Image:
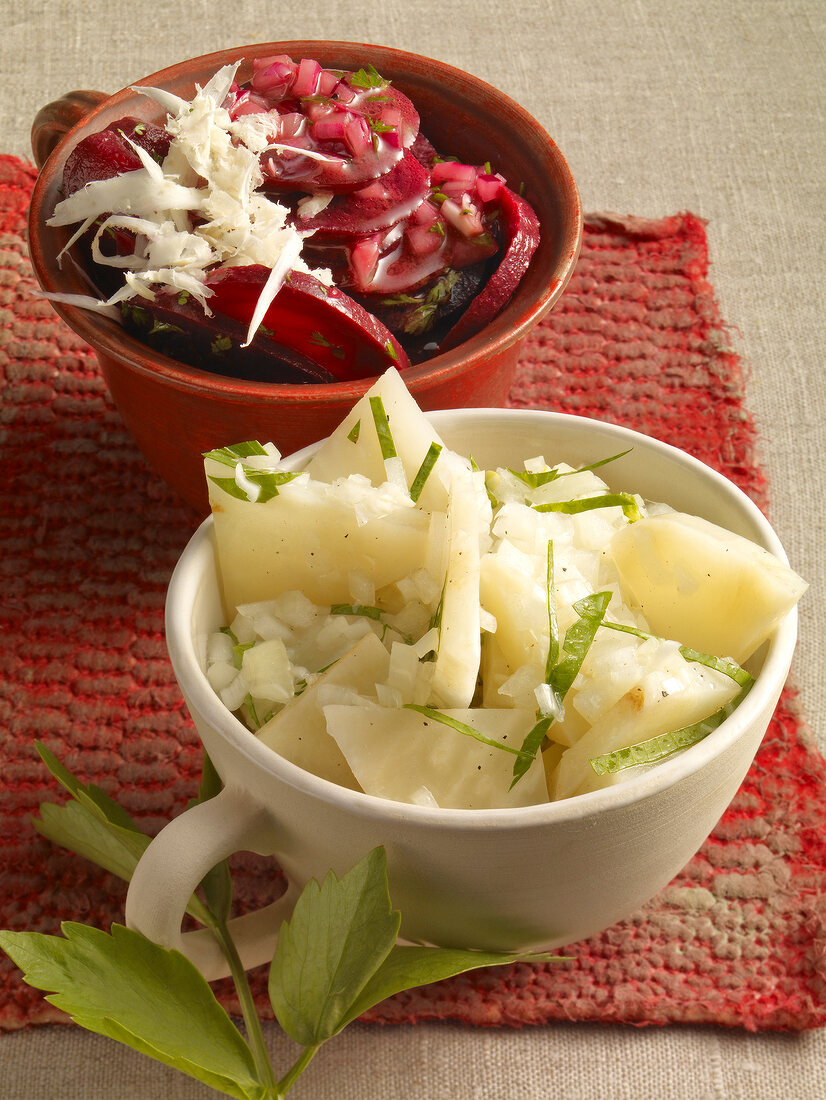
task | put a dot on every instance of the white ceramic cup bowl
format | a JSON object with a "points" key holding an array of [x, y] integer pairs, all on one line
{"points": [[537, 877]]}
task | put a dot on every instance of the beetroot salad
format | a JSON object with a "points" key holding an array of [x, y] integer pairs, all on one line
{"points": [[298, 227]]}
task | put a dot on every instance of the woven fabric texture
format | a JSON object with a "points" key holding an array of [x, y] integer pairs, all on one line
{"points": [[89, 538]]}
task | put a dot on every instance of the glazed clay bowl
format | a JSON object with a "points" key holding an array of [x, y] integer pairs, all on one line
{"points": [[535, 877], [176, 412]]}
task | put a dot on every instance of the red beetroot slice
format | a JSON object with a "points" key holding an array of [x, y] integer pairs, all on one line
{"points": [[521, 237], [320, 323], [176, 325], [107, 153], [374, 206], [361, 138]]}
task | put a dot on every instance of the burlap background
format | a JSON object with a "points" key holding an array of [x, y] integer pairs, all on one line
{"points": [[717, 108]]}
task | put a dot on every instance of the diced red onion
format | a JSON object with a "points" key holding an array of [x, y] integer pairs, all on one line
{"points": [[357, 135], [327, 82], [273, 80], [306, 79], [488, 187], [445, 170], [424, 214], [422, 240], [330, 128], [364, 258], [343, 92]]}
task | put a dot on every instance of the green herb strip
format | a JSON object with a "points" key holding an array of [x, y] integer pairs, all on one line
{"points": [[625, 501], [426, 468], [578, 640], [365, 610], [462, 727], [269, 480], [544, 477], [385, 436]]}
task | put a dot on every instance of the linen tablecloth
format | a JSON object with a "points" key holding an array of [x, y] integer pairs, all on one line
{"points": [[658, 109]]}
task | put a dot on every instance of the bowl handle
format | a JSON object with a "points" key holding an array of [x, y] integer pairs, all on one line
{"points": [[57, 118], [173, 865]]}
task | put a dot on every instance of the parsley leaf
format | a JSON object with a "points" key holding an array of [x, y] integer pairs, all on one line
{"points": [[154, 1000]]}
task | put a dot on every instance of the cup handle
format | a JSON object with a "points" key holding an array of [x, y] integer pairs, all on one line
{"points": [[175, 862], [57, 118]]}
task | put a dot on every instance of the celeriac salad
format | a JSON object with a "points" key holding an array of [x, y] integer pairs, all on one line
{"points": [[403, 623]]}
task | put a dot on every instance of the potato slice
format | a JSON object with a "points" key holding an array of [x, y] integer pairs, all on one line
{"points": [[409, 757], [707, 587], [299, 731]]}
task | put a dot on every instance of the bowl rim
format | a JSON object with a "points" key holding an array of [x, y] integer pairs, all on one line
{"points": [[187, 579], [110, 339]]}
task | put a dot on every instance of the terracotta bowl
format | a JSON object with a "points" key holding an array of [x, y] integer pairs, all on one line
{"points": [[174, 411]]}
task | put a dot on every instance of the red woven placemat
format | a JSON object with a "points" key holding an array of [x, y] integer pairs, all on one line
{"points": [[89, 538]]}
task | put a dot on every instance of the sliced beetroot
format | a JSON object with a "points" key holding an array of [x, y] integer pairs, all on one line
{"points": [[319, 323], [355, 127], [177, 326], [520, 230], [423, 150], [373, 206], [108, 153], [422, 317]]}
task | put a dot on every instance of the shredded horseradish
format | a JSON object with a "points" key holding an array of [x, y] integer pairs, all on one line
{"points": [[212, 171]]}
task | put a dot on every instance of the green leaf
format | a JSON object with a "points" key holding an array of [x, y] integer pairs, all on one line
{"points": [[95, 799], [408, 967], [353, 434], [78, 828], [543, 477], [553, 623], [530, 747], [578, 640], [338, 936], [97, 828], [236, 452], [269, 481], [154, 1000], [365, 610], [367, 77]]}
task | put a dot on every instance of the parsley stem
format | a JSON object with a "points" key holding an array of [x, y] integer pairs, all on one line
{"points": [[295, 1071], [252, 1022]]}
